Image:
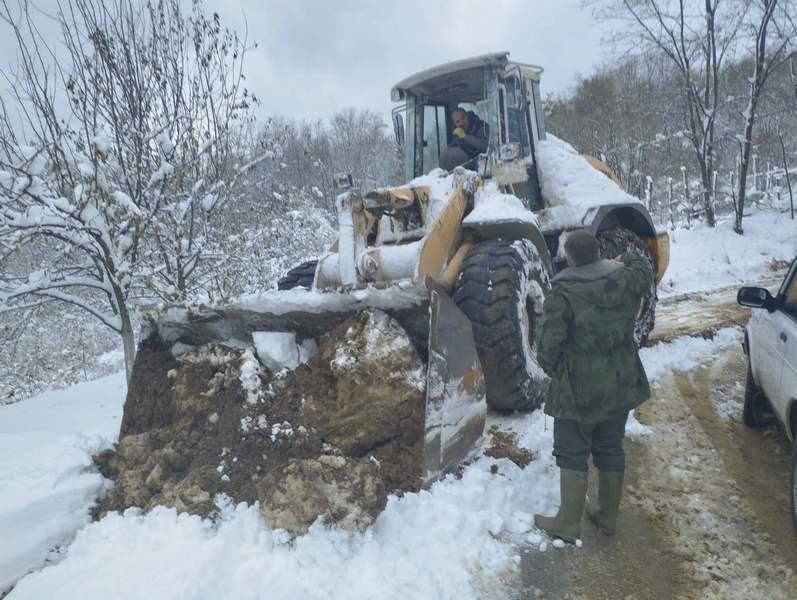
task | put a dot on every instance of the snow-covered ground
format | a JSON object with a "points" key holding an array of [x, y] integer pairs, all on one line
{"points": [[429, 544], [460, 539], [702, 258], [47, 482]]}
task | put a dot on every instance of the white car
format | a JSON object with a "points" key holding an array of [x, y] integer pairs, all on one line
{"points": [[770, 342]]}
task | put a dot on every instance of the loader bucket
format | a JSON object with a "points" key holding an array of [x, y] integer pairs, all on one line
{"points": [[456, 404], [454, 399]]}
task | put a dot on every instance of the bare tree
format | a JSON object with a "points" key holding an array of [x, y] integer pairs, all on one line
{"points": [[697, 38], [770, 22], [123, 149]]}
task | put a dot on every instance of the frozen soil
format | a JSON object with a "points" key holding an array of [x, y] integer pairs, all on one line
{"points": [[705, 512], [702, 313], [320, 440]]}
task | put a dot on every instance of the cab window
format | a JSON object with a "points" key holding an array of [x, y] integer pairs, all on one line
{"points": [[513, 114], [434, 135]]}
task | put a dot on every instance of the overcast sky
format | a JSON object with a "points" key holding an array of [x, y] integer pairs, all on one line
{"points": [[317, 56]]}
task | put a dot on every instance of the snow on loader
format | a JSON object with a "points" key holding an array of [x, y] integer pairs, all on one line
{"points": [[461, 260]]}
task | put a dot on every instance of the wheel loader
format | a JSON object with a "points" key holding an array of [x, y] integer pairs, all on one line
{"points": [[461, 260]]}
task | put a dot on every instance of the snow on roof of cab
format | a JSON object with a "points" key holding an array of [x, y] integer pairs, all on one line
{"points": [[483, 60]]}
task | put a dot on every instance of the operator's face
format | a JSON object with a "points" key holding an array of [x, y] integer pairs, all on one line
{"points": [[460, 119]]}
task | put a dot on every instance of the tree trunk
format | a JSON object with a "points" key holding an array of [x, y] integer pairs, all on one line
{"points": [[744, 162], [708, 204], [128, 343]]}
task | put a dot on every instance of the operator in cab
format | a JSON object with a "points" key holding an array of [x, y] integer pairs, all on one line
{"points": [[469, 140]]}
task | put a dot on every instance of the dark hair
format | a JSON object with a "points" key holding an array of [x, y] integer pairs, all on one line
{"points": [[582, 248]]}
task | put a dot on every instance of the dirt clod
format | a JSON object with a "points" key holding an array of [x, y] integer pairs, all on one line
{"points": [[344, 490], [328, 439], [503, 444]]}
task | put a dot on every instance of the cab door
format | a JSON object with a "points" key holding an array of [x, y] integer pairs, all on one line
{"points": [[518, 136]]}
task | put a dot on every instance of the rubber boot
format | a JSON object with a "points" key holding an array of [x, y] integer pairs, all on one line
{"points": [[566, 525], [603, 513]]}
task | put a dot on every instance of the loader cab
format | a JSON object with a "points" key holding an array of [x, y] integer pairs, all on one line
{"points": [[503, 94]]}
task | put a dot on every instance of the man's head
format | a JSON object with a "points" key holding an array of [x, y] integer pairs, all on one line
{"points": [[581, 248], [460, 119]]}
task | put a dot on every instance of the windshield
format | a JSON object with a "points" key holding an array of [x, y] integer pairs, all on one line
{"points": [[435, 135], [444, 144]]}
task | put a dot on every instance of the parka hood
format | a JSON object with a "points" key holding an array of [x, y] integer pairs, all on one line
{"points": [[474, 123], [600, 283]]}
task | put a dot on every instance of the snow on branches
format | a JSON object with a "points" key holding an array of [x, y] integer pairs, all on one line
{"points": [[133, 147]]}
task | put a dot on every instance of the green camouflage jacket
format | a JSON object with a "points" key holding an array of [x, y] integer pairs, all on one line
{"points": [[585, 340]]}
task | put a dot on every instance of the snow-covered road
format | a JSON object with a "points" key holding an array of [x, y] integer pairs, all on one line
{"points": [[706, 508]]}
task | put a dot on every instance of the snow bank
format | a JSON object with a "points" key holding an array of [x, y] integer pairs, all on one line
{"points": [[444, 543], [571, 186], [702, 258], [46, 445], [686, 353], [166, 555]]}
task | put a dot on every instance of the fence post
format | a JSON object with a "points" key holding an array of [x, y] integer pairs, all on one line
{"points": [[768, 184], [786, 171], [755, 172], [714, 191], [687, 202], [669, 202]]}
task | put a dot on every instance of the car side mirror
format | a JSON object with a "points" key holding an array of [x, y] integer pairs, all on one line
{"points": [[756, 297]]}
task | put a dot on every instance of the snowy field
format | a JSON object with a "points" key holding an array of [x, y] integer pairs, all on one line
{"points": [[457, 540], [702, 259]]}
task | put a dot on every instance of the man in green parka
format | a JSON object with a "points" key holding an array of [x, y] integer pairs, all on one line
{"points": [[586, 346]]}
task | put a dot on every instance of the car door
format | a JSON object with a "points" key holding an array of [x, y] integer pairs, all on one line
{"points": [[764, 359], [786, 344], [766, 344]]}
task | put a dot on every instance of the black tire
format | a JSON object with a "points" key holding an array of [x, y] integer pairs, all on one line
{"points": [[501, 288], [299, 276], [793, 482], [755, 410], [613, 244]]}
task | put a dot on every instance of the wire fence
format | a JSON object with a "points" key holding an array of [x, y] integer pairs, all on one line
{"points": [[679, 203]]}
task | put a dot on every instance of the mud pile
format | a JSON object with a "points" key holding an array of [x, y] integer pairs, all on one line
{"points": [[330, 438]]}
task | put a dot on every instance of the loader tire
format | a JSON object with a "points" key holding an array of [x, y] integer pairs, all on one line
{"points": [[613, 244], [501, 289], [299, 276]]}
